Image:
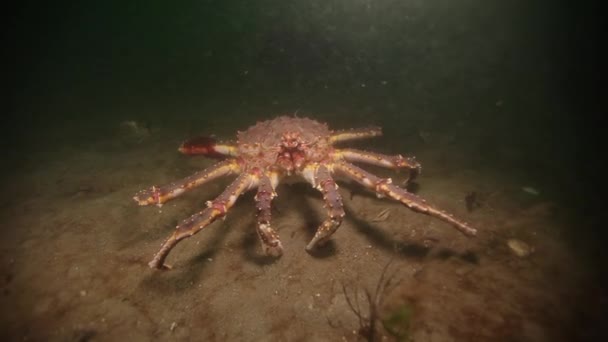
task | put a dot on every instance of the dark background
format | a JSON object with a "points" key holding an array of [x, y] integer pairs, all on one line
{"points": [[526, 74], [523, 76]]}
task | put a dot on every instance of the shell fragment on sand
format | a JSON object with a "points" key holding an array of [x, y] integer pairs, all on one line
{"points": [[520, 248]]}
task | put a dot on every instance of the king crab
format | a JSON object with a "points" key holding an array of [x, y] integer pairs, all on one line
{"points": [[266, 153]]}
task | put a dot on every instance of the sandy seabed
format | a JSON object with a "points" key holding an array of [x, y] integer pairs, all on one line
{"points": [[75, 249]]}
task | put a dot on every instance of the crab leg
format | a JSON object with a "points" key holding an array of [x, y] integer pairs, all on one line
{"points": [[208, 147], [393, 162], [195, 223], [384, 187], [268, 236], [323, 182], [159, 195], [353, 134]]}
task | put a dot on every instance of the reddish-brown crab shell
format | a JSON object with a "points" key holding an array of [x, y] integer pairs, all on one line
{"points": [[273, 149]]}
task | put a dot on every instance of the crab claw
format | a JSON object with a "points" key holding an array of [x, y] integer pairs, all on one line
{"points": [[200, 146]]}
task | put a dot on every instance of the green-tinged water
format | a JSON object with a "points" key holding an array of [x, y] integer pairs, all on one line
{"points": [[496, 101]]}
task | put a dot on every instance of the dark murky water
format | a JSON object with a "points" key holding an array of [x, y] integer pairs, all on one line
{"points": [[497, 101]]}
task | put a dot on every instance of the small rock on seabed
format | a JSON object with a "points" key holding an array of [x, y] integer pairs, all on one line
{"points": [[520, 248]]}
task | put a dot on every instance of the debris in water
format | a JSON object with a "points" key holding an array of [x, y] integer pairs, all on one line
{"points": [[530, 190], [135, 130], [425, 136], [472, 201]]}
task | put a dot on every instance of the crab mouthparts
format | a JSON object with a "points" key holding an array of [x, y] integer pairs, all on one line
{"points": [[291, 159]]}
